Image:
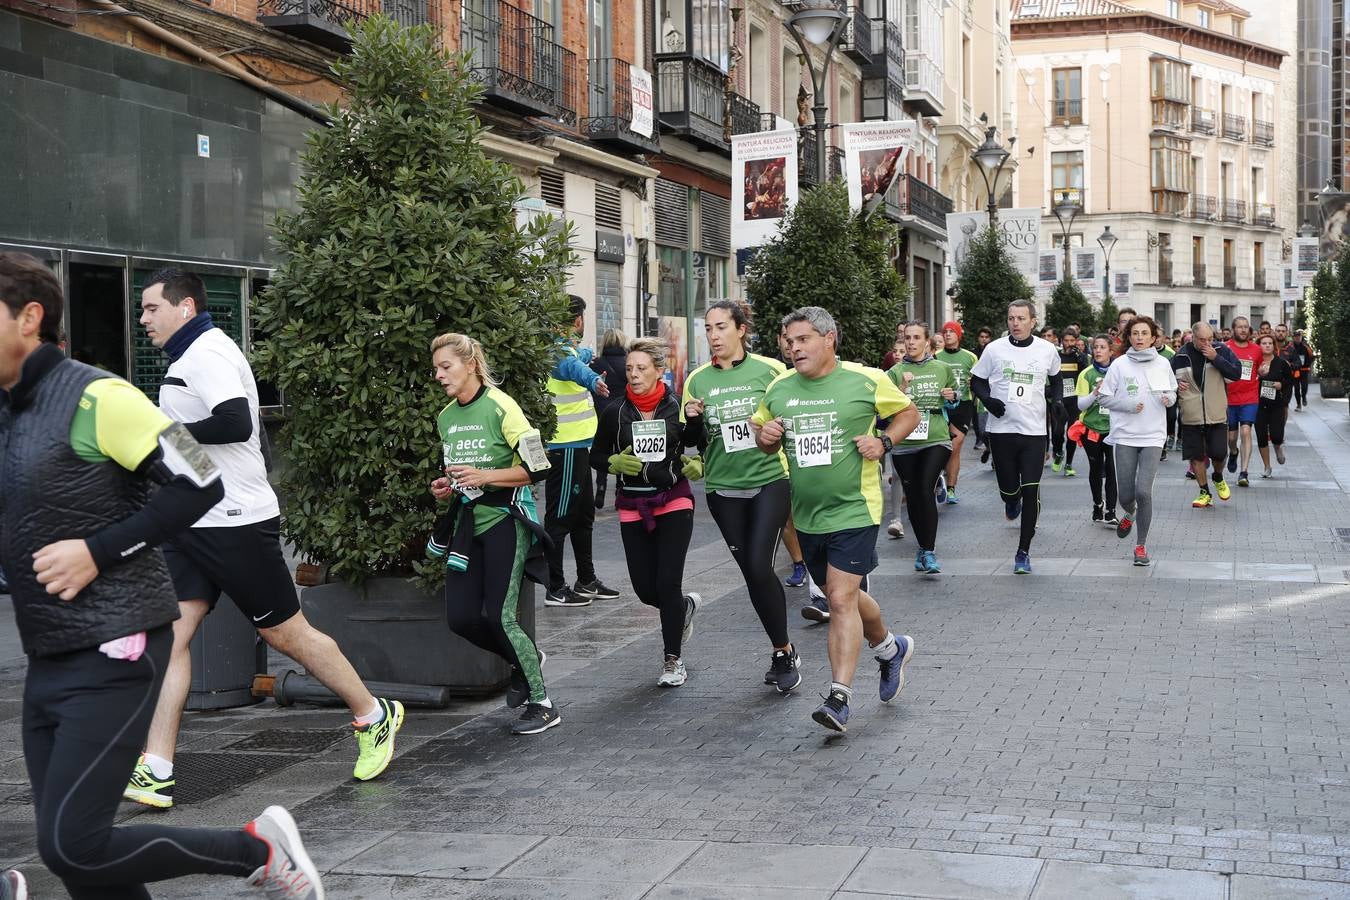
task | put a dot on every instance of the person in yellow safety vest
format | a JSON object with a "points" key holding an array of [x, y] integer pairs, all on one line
{"points": [[569, 491]]}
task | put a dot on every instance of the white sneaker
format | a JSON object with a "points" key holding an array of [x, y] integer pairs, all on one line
{"points": [[14, 887], [673, 673], [289, 872], [896, 530], [691, 602]]}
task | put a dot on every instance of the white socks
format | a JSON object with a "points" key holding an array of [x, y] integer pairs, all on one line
{"points": [[370, 718], [843, 689], [160, 767], [887, 649]]}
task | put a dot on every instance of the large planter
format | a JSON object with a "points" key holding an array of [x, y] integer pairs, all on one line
{"points": [[226, 654], [393, 630], [1331, 386]]}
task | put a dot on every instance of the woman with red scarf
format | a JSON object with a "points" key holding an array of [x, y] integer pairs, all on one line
{"points": [[640, 438]]}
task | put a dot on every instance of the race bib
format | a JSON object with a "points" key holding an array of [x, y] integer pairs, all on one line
{"points": [[737, 436], [1022, 389], [1247, 365], [1158, 380], [649, 440], [1070, 387], [921, 432], [472, 493], [813, 447], [1270, 390]]}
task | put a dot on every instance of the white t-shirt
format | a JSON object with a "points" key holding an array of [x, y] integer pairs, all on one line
{"points": [[212, 371], [1130, 382], [1017, 376]]}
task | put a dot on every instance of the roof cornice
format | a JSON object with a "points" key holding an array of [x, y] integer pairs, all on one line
{"points": [[1152, 24]]}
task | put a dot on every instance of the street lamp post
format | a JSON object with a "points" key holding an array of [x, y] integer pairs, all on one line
{"points": [[1066, 210], [819, 22], [992, 158], [1107, 241]]}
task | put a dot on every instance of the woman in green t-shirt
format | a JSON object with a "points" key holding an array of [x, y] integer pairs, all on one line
{"points": [[920, 458], [1096, 424]]}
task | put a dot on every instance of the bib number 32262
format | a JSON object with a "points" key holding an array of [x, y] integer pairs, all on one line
{"points": [[649, 441]]}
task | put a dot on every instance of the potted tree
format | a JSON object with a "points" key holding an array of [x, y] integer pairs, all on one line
{"points": [[404, 229], [1069, 306], [824, 255], [1328, 327]]}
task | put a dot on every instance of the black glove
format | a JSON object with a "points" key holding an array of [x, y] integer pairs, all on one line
{"points": [[995, 407]]}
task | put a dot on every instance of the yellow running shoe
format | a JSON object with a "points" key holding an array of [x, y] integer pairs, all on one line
{"points": [[1204, 501], [377, 741], [1224, 490], [144, 788]]}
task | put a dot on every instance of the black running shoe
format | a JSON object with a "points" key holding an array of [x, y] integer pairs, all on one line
{"points": [[535, 719], [1097, 514], [596, 590], [784, 670], [984, 457], [518, 691], [565, 597]]}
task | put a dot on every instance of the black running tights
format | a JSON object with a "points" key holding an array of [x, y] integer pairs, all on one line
{"points": [[918, 473], [656, 569], [1018, 462], [751, 527], [1062, 415], [1101, 471], [85, 718]]}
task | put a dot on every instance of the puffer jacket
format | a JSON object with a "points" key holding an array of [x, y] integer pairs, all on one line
{"points": [[1204, 400]]}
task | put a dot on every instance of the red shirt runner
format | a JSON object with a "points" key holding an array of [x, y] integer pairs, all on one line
{"points": [[1247, 389]]}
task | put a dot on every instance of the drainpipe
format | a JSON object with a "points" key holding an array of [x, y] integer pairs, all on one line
{"points": [[290, 101]]}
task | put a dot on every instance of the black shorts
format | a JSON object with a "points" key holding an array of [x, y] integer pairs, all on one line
{"points": [[1204, 441], [243, 561], [963, 417], [853, 550]]}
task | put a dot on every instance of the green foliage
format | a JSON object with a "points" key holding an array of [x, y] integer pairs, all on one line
{"points": [[405, 230], [1069, 306], [986, 283], [1108, 315], [826, 256], [1331, 316]]}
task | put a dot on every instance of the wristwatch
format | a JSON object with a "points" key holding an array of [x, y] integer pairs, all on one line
{"points": [[886, 443]]}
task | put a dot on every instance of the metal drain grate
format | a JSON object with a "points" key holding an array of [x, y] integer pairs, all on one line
{"points": [[284, 741], [205, 776], [1341, 534]]}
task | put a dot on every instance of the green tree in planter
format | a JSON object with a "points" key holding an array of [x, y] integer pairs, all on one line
{"points": [[1326, 297], [1108, 315], [405, 229], [986, 283], [1069, 306], [824, 255]]}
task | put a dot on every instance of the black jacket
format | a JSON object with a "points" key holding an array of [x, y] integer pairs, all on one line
{"points": [[616, 433], [610, 365]]}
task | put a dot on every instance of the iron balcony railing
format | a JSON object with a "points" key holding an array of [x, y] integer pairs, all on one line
{"points": [[1165, 270], [324, 22], [512, 53], [1070, 111], [745, 117], [1259, 280], [1199, 273], [1234, 211], [692, 101], [923, 84], [610, 112], [1263, 133], [1203, 207], [924, 202], [857, 41], [1264, 215], [1202, 120], [1230, 277], [1234, 127]]}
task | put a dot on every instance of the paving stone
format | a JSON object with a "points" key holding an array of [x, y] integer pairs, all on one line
{"points": [[602, 860], [768, 865], [950, 876], [1257, 887], [1073, 881], [440, 855]]}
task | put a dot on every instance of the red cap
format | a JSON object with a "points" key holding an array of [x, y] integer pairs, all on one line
{"points": [[954, 326]]}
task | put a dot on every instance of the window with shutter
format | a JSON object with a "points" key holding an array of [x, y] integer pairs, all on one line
{"points": [[714, 221], [608, 207], [672, 214], [552, 188]]}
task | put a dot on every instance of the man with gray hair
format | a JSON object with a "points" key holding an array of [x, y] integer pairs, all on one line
{"points": [[1201, 367], [825, 411]]}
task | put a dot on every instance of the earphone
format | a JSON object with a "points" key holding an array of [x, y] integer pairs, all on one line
{"points": [[185, 312]]}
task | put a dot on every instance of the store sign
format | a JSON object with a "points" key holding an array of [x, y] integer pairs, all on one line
{"points": [[609, 246]]}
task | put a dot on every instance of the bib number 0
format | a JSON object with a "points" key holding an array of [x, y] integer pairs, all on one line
{"points": [[649, 441], [737, 436], [1023, 392]]}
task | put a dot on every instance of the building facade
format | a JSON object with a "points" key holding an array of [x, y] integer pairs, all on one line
{"points": [[1158, 119]]}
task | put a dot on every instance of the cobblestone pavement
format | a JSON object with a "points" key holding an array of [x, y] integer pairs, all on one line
{"points": [[1094, 730]]}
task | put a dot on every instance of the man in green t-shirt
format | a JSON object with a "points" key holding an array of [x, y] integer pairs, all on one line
{"points": [[962, 418], [823, 414]]}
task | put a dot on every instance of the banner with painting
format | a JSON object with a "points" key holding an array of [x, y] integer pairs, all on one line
{"points": [[1020, 230], [874, 156], [763, 185], [1048, 270], [1306, 260], [1087, 270]]}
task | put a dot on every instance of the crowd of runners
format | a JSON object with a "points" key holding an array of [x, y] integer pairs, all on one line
{"points": [[792, 449]]}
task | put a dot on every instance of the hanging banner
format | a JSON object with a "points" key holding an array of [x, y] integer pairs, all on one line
{"points": [[1335, 209], [1290, 290], [874, 155], [1020, 230], [1122, 284], [1306, 259], [1087, 270], [643, 120], [1047, 271], [763, 185]]}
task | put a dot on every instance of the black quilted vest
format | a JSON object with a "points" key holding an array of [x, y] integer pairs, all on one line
{"points": [[47, 494]]}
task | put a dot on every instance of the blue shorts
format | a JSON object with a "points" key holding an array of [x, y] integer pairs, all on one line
{"points": [[1244, 413], [853, 550]]}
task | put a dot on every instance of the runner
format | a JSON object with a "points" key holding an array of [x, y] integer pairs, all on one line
{"points": [[80, 452], [919, 459], [610, 366], [963, 417], [1093, 425], [1064, 411], [640, 440], [1305, 365], [982, 339], [747, 491], [827, 410], [1277, 388], [1165, 350], [235, 549], [1201, 368], [1137, 390], [569, 501], [1243, 396], [1120, 341], [1015, 379], [492, 455]]}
